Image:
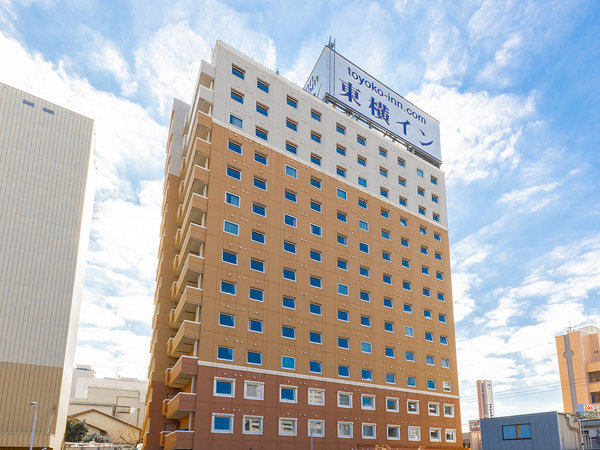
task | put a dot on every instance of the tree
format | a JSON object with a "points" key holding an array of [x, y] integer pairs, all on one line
{"points": [[76, 430], [133, 436], [96, 437]]}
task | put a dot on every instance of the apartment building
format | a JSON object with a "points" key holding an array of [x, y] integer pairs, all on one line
{"points": [[303, 285], [46, 164], [578, 353]]}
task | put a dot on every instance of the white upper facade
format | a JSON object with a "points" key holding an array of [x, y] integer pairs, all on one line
{"points": [[409, 179]]}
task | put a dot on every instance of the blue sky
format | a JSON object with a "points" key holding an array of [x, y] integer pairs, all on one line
{"points": [[513, 83]]}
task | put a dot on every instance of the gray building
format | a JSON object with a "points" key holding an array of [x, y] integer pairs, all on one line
{"points": [[537, 431]]}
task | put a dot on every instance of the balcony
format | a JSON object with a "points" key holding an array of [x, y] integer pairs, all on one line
{"points": [[198, 203], [181, 405], [593, 367], [181, 374], [191, 275], [193, 232], [192, 246], [190, 301], [183, 342], [179, 440], [198, 169]]}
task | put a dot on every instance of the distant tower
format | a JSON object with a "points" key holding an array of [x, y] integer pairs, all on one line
{"points": [[485, 399]]}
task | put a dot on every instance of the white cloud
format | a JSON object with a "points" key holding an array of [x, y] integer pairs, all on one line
{"points": [[479, 132], [109, 59], [525, 195]]}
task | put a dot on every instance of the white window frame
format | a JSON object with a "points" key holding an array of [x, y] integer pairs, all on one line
{"points": [[446, 386], [291, 419], [315, 390], [433, 429], [367, 407], [345, 436], [294, 388], [418, 430], [397, 427], [262, 390], [308, 428], [212, 423], [362, 430], [451, 405], [338, 399], [231, 380], [408, 411], [436, 407], [397, 404], [453, 431], [260, 419]]}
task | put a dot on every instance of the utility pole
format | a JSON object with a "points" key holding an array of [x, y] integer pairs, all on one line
{"points": [[34, 404]]}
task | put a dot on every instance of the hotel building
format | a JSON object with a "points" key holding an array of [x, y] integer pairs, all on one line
{"points": [[46, 163], [578, 355], [303, 284]]}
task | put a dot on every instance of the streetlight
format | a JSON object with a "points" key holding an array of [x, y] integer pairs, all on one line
{"points": [[34, 404]]}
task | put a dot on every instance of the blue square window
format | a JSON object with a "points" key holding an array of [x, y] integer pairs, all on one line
{"points": [[426, 292], [363, 203], [260, 158], [288, 332], [262, 109], [340, 171], [254, 358], [292, 148], [401, 162], [342, 217], [433, 179], [427, 314], [315, 255], [257, 236], [385, 234], [429, 336], [411, 381], [388, 303], [438, 256], [229, 257], [367, 374], [315, 182], [410, 356], [402, 201], [260, 184], [315, 282], [365, 321], [343, 315], [342, 289], [223, 387], [257, 294], [288, 302], [363, 247], [289, 247], [385, 213], [430, 360], [343, 240], [437, 237], [259, 209], [257, 265], [342, 264], [222, 424], [228, 287], [315, 338], [226, 320], [388, 326], [403, 222], [289, 220], [420, 173], [362, 181], [387, 279], [442, 318], [361, 140], [288, 362], [390, 378], [366, 347], [364, 271], [431, 384], [263, 134], [315, 137], [315, 308], [262, 86], [344, 371], [361, 160], [315, 115], [315, 229], [289, 274], [365, 296], [443, 340], [225, 353], [441, 297], [232, 199], [340, 129], [406, 285], [439, 276], [315, 206], [408, 308], [315, 367], [236, 121], [341, 194], [363, 225], [237, 96], [237, 72], [315, 159], [340, 150], [234, 147], [291, 196], [291, 171], [291, 125], [424, 250], [343, 343], [292, 102], [390, 352], [404, 242]]}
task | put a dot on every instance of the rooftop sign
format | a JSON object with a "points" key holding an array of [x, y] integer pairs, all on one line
{"points": [[338, 78]]}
